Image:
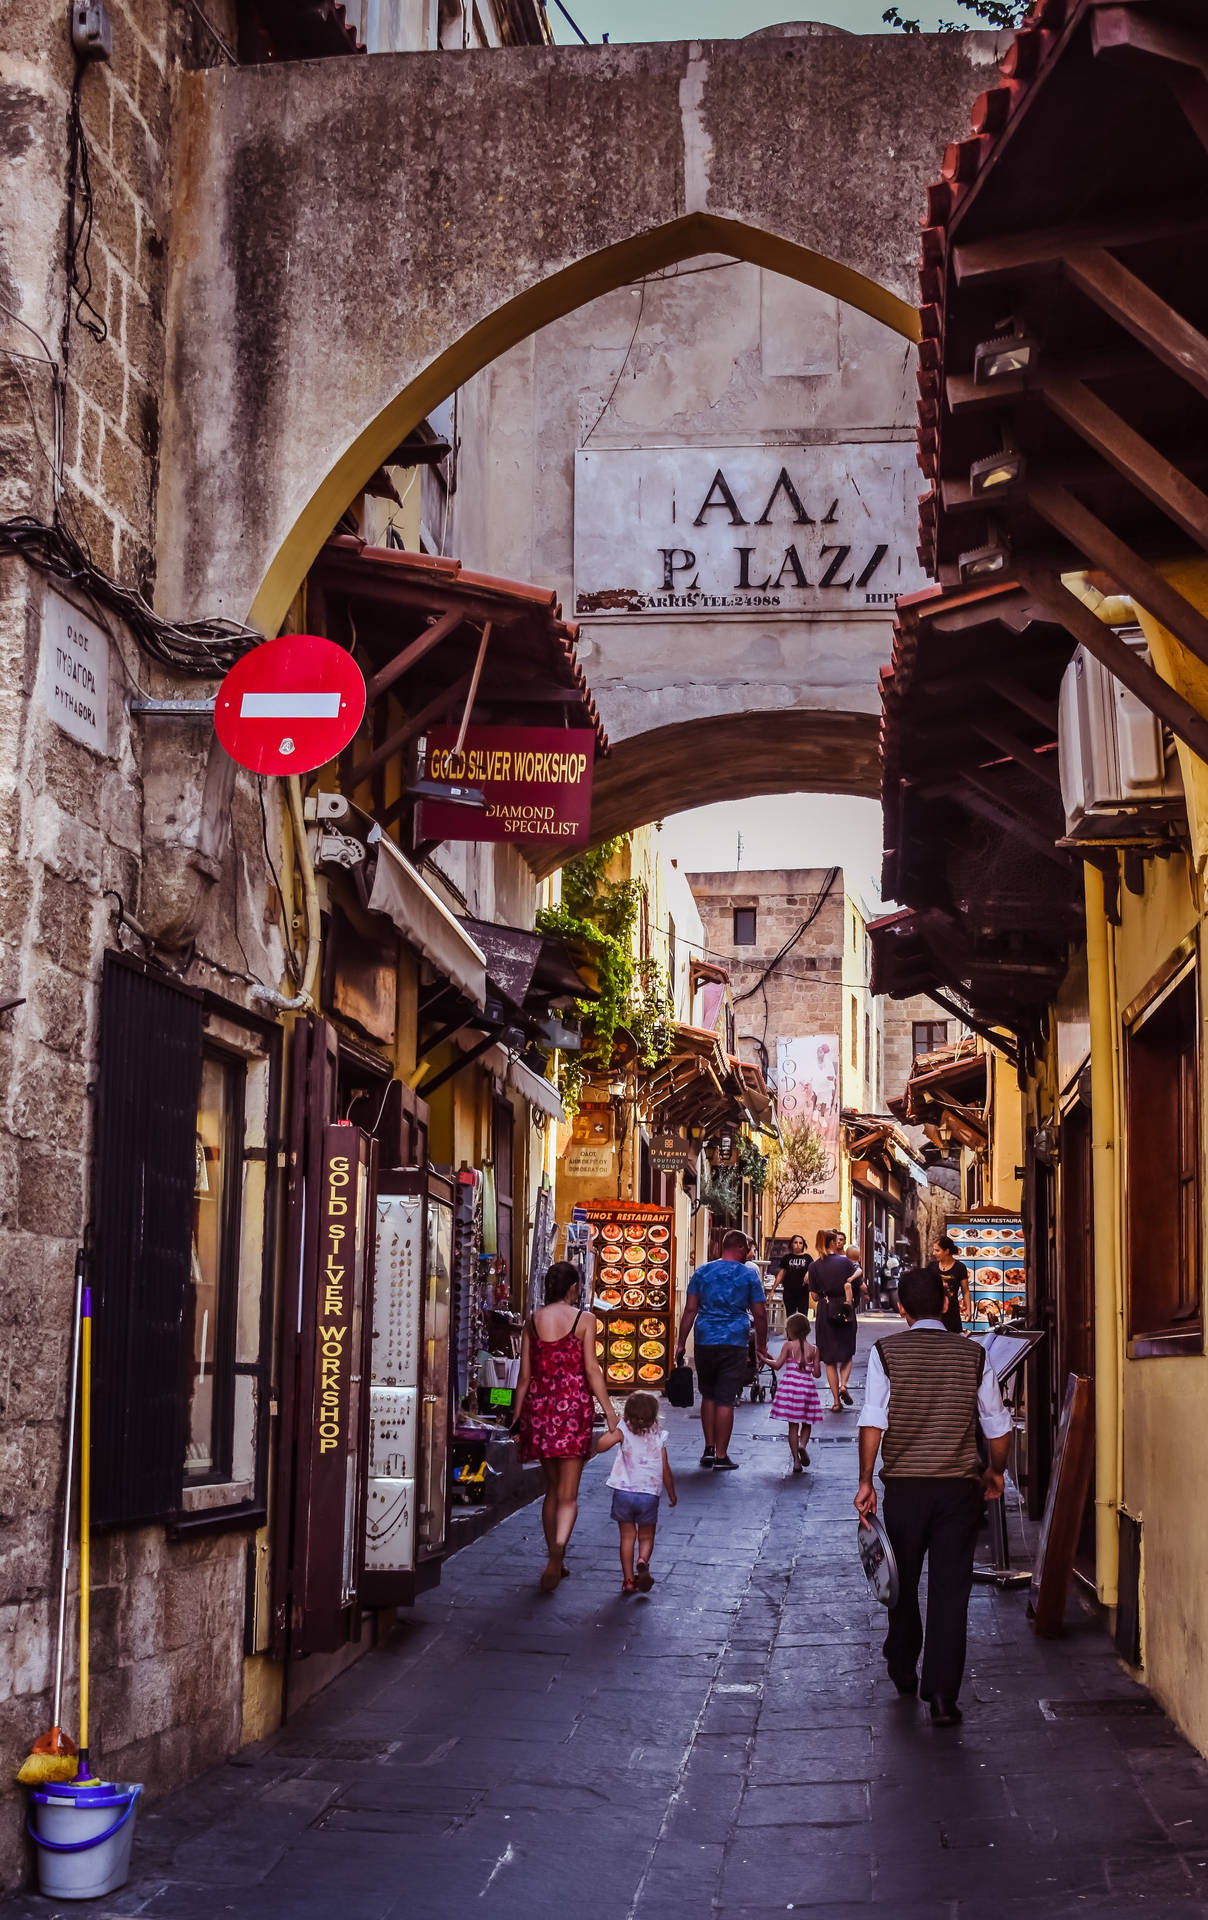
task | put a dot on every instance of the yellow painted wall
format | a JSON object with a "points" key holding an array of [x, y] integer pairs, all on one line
{"points": [[1164, 1442], [1005, 1152]]}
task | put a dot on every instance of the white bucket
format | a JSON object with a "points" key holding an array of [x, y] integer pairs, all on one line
{"points": [[83, 1830]]}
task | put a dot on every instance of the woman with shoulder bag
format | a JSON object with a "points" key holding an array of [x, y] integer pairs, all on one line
{"points": [[832, 1279]]}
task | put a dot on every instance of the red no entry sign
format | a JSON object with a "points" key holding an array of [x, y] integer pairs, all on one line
{"points": [[290, 705]]}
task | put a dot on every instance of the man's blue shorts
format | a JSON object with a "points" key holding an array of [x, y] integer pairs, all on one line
{"points": [[635, 1509]]}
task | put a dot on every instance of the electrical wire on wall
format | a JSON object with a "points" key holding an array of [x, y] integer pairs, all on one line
{"points": [[196, 647]]}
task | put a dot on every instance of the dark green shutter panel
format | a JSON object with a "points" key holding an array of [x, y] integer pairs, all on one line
{"points": [[146, 1124]]}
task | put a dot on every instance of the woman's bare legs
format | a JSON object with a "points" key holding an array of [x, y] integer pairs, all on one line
{"points": [[549, 1506], [832, 1381], [845, 1374]]}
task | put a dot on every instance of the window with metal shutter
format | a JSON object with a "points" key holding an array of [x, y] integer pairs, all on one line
{"points": [[144, 1176]]}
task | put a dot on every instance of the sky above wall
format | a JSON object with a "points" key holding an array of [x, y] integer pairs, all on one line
{"points": [[782, 830], [724, 19]]}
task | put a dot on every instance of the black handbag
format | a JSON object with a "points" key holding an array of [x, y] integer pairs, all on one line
{"points": [[680, 1388]]}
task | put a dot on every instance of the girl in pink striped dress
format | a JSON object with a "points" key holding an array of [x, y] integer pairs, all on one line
{"points": [[796, 1397]]}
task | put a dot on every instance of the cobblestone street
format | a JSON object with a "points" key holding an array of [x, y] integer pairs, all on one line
{"points": [[729, 1744]]}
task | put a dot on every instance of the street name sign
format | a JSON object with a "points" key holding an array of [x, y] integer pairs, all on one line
{"points": [[73, 677], [817, 531], [290, 705]]}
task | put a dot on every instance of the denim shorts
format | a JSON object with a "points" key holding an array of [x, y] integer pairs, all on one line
{"points": [[635, 1509]]}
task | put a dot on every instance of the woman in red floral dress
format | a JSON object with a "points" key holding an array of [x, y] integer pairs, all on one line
{"points": [[559, 1378]]}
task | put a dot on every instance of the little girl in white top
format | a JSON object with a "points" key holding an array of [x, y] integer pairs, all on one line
{"points": [[638, 1472]]}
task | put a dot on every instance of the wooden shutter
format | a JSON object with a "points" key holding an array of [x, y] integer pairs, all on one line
{"points": [[143, 1179]]}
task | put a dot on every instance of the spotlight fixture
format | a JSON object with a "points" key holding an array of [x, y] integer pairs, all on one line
{"points": [[983, 563], [996, 473], [1014, 352]]}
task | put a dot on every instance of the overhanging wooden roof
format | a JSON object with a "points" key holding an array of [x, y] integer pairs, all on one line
{"points": [[1073, 221], [972, 808]]}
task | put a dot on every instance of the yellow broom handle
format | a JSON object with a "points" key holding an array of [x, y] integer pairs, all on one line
{"points": [[85, 1509]]}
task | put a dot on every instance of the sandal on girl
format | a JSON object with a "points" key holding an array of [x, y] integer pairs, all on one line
{"points": [[552, 1576], [643, 1579], [627, 1587]]}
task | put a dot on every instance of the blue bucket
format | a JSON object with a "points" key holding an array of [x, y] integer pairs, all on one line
{"points": [[83, 1831]]}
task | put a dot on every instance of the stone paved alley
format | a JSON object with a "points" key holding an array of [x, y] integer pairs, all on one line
{"points": [[729, 1745]]}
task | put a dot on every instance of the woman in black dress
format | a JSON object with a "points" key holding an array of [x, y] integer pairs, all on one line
{"points": [[831, 1283], [791, 1277]]}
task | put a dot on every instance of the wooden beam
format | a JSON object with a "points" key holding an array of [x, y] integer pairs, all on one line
{"points": [[396, 741], [1041, 767], [1131, 455], [980, 794], [1142, 312], [1037, 708], [964, 394], [402, 662], [1180, 55], [1158, 695], [1047, 248], [1104, 549], [1005, 1043], [472, 689]]}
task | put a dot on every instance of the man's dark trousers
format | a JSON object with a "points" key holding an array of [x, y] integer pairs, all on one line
{"points": [[939, 1520]]}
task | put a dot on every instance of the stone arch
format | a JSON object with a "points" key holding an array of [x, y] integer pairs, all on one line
{"points": [[728, 757], [352, 239]]}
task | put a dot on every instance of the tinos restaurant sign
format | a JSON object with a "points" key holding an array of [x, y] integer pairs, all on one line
{"points": [[536, 782], [809, 530]]}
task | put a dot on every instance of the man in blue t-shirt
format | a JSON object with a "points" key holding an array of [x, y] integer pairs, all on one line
{"points": [[721, 1296]]}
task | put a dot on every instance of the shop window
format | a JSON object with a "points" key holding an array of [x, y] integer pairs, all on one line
{"points": [[855, 1030], [184, 1102], [1162, 1171], [927, 1035], [744, 926]]}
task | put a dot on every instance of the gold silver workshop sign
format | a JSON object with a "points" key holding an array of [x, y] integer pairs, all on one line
{"points": [[808, 530]]}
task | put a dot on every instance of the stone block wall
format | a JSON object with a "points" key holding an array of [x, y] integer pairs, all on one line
{"points": [[168, 1619], [805, 993]]}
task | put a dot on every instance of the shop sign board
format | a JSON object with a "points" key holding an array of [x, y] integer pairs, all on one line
{"points": [[634, 1291], [671, 1152], [290, 705], [536, 782], [816, 531], [335, 1442], [73, 678], [589, 1162], [807, 1092]]}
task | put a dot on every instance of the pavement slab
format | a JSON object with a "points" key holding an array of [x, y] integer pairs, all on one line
{"points": [[725, 1748]]}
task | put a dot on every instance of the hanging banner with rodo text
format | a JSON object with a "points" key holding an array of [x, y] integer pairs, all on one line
{"points": [[536, 782]]}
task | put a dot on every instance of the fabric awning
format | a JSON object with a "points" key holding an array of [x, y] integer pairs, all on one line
{"points": [[423, 919], [539, 1093]]}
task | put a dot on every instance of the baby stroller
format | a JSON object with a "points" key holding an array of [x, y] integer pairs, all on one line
{"points": [[761, 1376]]}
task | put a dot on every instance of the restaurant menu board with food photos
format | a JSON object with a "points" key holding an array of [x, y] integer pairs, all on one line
{"points": [[991, 1246], [634, 1289]]}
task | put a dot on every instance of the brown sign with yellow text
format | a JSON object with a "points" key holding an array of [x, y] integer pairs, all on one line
{"points": [[536, 781]]}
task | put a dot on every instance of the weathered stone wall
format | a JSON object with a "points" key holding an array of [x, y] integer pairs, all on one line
{"points": [[168, 1619]]}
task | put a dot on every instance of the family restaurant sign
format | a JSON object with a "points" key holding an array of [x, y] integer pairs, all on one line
{"points": [[816, 530], [536, 782]]}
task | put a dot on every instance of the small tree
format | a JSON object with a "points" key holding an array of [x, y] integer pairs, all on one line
{"points": [[993, 13], [798, 1164]]}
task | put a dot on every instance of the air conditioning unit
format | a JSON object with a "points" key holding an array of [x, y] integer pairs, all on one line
{"points": [[1120, 777]]}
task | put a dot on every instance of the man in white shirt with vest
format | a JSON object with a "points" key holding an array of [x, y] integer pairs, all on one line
{"points": [[927, 1393]]}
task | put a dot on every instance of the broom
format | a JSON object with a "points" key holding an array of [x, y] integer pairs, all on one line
{"points": [[53, 1756]]}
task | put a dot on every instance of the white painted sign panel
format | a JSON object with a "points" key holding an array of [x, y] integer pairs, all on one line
{"points": [[73, 676], [814, 531], [807, 1095]]}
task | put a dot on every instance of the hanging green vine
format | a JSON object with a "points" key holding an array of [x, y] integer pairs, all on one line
{"points": [[752, 1164], [597, 918]]}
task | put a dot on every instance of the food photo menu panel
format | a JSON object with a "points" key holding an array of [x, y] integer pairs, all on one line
{"points": [[634, 1292], [991, 1246]]}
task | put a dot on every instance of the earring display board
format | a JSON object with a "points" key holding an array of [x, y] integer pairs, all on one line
{"points": [[991, 1245], [633, 1291]]}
